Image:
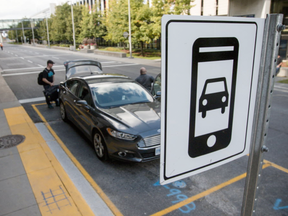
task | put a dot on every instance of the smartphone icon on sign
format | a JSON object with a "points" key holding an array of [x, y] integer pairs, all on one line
{"points": [[214, 74]]}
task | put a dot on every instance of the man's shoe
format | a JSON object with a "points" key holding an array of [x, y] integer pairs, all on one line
{"points": [[50, 106]]}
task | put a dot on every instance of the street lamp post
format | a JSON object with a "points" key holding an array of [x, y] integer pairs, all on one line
{"points": [[129, 17], [74, 42], [23, 32], [48, 40], [32, 25]]}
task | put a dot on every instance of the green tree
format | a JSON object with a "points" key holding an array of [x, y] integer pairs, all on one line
{"points": [[142, 31], [117, 21]]}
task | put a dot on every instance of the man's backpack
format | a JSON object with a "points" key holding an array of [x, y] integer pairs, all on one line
{"points": [[40, 77]]}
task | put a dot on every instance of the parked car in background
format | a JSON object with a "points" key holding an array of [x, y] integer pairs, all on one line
{"points": [[119, 116]]}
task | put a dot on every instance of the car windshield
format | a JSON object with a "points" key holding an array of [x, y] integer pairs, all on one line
{"points": [[108, 95], [83, 70], [215, 87]]}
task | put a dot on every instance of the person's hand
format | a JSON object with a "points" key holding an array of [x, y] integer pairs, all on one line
{"points": [[51, 84]]}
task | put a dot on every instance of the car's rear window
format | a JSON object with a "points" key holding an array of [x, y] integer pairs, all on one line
{"points": [[109, 95]]}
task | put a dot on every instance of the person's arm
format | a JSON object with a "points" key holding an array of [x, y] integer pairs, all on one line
{"points": [[280, 64], [46, 81]]}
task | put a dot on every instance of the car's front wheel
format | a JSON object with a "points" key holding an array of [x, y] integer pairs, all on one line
{"points": [[63, 112], [100, 146]]}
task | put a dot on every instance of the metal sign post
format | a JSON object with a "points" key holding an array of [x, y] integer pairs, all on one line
{"points": [[23, 32], [129, 19], [48, 40], [270, 47]]}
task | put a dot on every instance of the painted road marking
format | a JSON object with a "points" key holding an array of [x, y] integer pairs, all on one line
{"points": [[18, 74], [96, 187], [55, 57], [30, 100], [203, 194], [40, 65], [120, 65], [22, 58], [177, 194], [16, 55], [277, 203], [96, 204], [43, 170], [6, 70], [29, 61]]}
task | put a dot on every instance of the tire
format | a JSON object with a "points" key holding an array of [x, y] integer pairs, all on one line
{"points": [[63, 112], [100, 146]]}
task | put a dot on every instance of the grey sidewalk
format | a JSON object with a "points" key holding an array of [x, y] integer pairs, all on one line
{"points": [[16, 196]]}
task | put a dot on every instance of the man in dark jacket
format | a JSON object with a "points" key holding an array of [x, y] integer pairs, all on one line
{"points": [[144, 79], [48, 79]]}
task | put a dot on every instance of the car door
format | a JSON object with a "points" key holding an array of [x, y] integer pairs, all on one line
{"points": [[85, 111], [156, 88], [70, 99]]}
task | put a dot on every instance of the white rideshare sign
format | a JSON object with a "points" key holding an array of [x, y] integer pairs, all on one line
{"points": [[210, 69]]}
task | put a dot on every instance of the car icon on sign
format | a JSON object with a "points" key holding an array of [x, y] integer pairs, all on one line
{"points": [[214, 96]]}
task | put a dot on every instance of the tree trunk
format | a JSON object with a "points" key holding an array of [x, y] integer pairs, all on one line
{"points": [[142, 52]]}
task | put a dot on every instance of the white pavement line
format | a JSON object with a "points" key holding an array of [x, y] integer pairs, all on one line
{"points": [[30, 100], [29, 61], [109, 62], [27, 73], [40, 65], [18, 74], [55, 57], [29, 68], [16, 55], [97, 205], [22, 58], [120, 65], [281, 89]]}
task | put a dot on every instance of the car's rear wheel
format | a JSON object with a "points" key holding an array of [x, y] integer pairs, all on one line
{"points": [[63, 112], [100, 146]]}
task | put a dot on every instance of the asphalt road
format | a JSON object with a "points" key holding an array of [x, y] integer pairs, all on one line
{"points": [[134, 187]]}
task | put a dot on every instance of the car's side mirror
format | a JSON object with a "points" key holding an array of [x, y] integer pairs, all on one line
{"points": [[62, 84], [81, 103]]}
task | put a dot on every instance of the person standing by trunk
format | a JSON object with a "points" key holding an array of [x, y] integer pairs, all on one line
{"points": [[279, 64], [144, 79], [1, 45], [48, 79]]}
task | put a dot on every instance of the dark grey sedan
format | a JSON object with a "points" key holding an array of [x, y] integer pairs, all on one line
{"points": [[119, 116]]}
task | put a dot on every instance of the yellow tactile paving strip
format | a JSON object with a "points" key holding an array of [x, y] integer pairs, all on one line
{"points": [[55, 193]]}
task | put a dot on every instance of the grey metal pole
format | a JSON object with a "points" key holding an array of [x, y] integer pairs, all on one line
{"points": [[23, 33], [48, 40], [270, 47], [16, 35], [129, 18], [74, 43], [90, 6], [32, 26]]}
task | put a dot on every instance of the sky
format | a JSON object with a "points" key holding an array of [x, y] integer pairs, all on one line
{"points": [[18, 9]]}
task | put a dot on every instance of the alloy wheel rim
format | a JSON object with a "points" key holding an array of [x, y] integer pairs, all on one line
{"points": [[99, 148]]}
